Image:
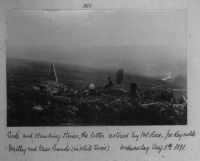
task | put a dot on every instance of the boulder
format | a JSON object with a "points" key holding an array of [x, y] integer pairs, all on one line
{"points": [[119, 104], [73, 108], [62, 99], [117, 91], [38, 108]]}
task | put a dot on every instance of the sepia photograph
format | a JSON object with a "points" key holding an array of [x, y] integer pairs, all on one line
{"points": [[96, 67]]}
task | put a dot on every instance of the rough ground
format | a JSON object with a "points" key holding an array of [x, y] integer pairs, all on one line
{"points": [[28, 106]]}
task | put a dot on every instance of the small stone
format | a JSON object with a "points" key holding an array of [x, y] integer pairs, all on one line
{"points": [[38, 108]]}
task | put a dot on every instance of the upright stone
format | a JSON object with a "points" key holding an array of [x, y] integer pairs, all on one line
{"points": [[53, 75], [120, 76]]}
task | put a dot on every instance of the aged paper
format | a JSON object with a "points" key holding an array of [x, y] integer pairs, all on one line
{"points": [[92, 80]]}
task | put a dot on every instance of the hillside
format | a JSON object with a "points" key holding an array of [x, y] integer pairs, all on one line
{"points": [[77, 76], [34, 100], [145, 60]]}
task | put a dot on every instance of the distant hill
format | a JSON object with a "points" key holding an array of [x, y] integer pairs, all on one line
{"points": [[153, 61], [77, 76]]}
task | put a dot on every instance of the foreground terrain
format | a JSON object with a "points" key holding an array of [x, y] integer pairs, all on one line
{"points": [[34, 100]]}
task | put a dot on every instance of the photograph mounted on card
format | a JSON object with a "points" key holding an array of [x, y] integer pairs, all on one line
{"points": [[96, 67]]}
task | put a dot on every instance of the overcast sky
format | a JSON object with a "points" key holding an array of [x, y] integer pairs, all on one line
{"points": [[99, 32], [96, 28]]}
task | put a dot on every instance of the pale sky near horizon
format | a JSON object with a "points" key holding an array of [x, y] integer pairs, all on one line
{"points": [[150, 38]]}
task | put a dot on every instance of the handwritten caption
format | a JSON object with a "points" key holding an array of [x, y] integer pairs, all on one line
{"points": [[145, 141]]}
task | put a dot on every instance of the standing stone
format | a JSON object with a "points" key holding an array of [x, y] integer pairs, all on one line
{"points": [[53, 75], [120, 76]]}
